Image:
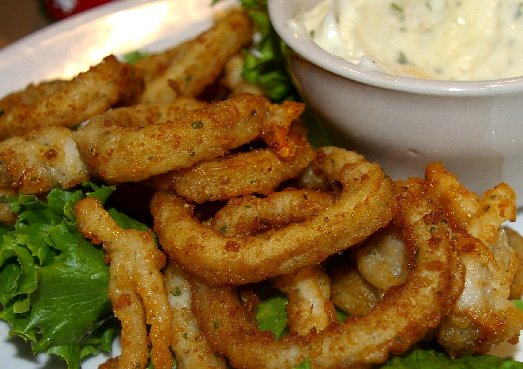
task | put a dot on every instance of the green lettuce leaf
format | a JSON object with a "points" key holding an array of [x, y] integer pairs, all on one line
{"points": [[272, 315], [265, 62], [53, 282], [518, 303], [134, 57], [304, 365], [431, 359]]}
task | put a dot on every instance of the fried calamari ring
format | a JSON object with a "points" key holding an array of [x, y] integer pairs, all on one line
{"points": [[41, 160], [258, 171], [411, 310], [307, 289], [129, 154], [136, 286], [407, 313], [190, 345], [198, 62], [68, 104], [365, 204]]}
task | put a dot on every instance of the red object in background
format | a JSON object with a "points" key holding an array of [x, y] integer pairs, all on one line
{"points": [[60, 9]]}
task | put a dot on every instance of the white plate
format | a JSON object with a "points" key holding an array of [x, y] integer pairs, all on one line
{"points": [[71, 46], [66, 48]]}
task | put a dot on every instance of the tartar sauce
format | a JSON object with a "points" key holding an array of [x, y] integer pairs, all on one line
{"points": [[435, 39]]}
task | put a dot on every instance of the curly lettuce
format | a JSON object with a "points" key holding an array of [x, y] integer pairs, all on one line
{"points": [[53, 282], [265, 61], [432, 359]]}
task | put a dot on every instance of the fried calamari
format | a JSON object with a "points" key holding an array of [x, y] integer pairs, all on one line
{"points": [[364, 205], [190, 346], [250, 215], [483, 315], [309, 307], [421, 302], [197, 63], [136, 287], [258, 171], [68, 104], [117, 154], [244, 208], [41, 160]]}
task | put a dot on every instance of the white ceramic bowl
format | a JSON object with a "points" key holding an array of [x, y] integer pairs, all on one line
{"points": [[474, 128]]}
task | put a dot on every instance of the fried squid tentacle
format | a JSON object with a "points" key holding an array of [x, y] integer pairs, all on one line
{"points": [[130, 154], [365, 204], [190, 345], [136, 288], [483, 316]]}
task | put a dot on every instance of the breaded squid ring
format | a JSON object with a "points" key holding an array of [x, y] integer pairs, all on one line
{"points": [[308, 289], [258, 171], [70, 103], [136, 287], [365, 205], [119, 154], [406, 315]]}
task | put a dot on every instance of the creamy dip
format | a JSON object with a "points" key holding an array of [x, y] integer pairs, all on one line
{"points": [[435, 39]]}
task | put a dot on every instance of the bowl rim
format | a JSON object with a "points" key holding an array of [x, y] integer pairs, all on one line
{"points": [[301, 44]]}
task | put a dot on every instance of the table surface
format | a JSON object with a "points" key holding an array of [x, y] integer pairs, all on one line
{"points": [[20, 18]]}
